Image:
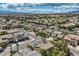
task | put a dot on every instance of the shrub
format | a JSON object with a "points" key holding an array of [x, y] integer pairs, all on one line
{"points": [[3, 33], [29, 46]]}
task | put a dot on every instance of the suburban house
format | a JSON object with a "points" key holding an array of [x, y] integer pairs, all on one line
{"points": [[73, 39]]}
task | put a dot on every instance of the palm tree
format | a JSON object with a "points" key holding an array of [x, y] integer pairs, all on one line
{"points": [[16, 40], [17, 45], [43, 35], [56, 25]]}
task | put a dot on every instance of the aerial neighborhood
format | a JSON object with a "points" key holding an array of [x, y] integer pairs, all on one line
{"points": [[39, 35]]}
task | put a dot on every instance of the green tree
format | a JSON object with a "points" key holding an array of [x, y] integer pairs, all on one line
{"points": [[43, 52], [61, 45]]}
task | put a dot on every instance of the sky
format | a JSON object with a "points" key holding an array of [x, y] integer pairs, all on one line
{"points": [[38, 8]]}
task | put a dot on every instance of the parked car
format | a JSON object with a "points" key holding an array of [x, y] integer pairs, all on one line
{"points": [[1, 49]]}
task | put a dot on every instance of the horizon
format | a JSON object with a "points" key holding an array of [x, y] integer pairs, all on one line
{"points": [[41, 8]]}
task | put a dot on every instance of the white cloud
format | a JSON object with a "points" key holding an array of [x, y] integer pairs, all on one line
{"points": [[34, 9], [72, 6]]}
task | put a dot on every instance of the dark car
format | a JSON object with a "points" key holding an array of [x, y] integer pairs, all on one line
{"points": [[1, 49]]}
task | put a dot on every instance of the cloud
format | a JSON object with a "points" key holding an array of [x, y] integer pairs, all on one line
{"points": [[39, 8]]}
